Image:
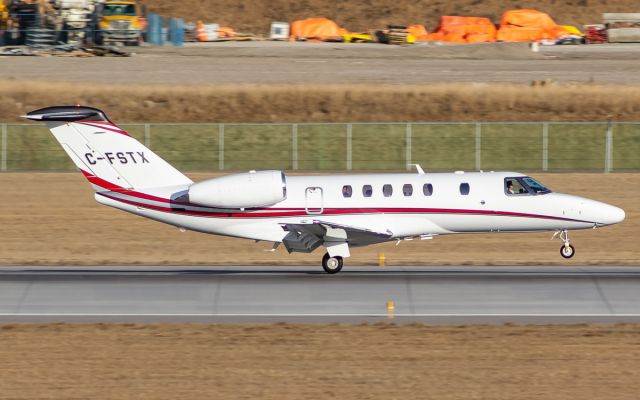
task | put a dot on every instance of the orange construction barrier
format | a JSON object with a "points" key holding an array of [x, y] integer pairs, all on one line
{"points": [[480, 30], [456, 29], [418, 31], [315, 28], [528, 26], [226, 32], [201, 32]]}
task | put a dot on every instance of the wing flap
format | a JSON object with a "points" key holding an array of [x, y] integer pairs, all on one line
{"points": [[306, 237]]}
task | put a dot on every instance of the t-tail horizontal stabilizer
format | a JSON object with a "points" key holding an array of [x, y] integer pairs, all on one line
{"points": [[67, 114]]}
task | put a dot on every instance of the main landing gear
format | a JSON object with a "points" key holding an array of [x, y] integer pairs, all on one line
{"points": [[567, 250], [332, 265]]}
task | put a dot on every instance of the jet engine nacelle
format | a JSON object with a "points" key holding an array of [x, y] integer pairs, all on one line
{"points": [[246, 190]]}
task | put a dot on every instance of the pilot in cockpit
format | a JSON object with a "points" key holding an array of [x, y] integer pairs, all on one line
{"points": [[510, 189]]}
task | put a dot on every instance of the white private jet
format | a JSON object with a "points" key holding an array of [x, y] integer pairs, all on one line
{"points": [[306, 212]]}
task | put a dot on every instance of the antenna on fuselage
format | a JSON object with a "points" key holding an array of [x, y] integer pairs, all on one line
{"points": [[418, 168]]}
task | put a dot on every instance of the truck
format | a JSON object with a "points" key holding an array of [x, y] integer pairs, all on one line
{"points": [[119, 22]]}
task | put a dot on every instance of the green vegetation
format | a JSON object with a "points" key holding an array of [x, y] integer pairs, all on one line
{"points": [[374, 146], [626, 147], [443, 146], [577, 146]]}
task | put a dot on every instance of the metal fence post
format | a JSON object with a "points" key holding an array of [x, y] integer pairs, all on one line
{"points": [[608, 149], [478, 146], [147, 135], [349, 159], [3, 149], [294, 146], [407, 139], [545, 146], [221, 147]]}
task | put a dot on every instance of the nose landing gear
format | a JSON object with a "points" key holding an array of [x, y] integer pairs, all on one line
{"points": [[567, 250]]}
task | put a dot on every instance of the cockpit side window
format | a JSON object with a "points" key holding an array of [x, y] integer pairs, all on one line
{"points": [[535, 186], [514, 186]]}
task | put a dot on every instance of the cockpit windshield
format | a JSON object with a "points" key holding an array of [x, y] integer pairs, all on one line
{"points": [[523, 186], [119, 9]]}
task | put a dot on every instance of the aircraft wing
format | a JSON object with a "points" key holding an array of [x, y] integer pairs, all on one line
{"points": [[306, 237]]}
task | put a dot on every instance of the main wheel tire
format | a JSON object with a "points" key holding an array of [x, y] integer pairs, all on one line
{"points": [[332, 265], [567, 251]]}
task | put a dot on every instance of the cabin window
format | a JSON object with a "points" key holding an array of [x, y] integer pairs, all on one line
{"points": [[387, 190], [464, 189], [367, 190], [407, 189], [514, 186], [347, 191], [427, 189]]}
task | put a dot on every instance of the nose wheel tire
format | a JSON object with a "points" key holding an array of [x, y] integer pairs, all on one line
{"points": [[332, 265], [567, 251]]}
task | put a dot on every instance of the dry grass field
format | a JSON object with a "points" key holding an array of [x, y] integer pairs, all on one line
{"points": [[356, 15], [329, 103], [52, 219], [319, 362]]}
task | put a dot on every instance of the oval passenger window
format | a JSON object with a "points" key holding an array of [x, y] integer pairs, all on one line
{"points": [[387, 190], [407, 189], [464, 189], [367, 191], [347, 191], [427, 189]]}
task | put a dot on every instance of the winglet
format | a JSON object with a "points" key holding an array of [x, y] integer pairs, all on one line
{"points": [[67, 114]]}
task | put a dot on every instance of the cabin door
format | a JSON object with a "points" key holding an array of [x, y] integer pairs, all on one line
{"points": [[313, 200]]}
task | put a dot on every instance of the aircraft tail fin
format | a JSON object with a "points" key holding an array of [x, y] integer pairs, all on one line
{"points": [[104, 152]]}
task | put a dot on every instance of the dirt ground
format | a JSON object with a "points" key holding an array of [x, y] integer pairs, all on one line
{"points": [[315, 361], [338, 63], [357, 15], [52, 219]]}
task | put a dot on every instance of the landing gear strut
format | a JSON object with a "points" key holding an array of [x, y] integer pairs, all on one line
{"points": [[332, 265], [567, 250]]}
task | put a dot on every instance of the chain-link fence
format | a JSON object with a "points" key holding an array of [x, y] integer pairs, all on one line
{"points": [[530, 146]]}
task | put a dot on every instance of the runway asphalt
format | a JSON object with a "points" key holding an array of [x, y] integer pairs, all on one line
{"points": [[433, 295]]}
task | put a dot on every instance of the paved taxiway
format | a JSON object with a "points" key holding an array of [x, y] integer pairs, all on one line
{"points": [[449, 295]]}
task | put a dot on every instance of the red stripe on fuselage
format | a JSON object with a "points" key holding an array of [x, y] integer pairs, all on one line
{"points": [[292, 212], [259, 213], [105, 125]]}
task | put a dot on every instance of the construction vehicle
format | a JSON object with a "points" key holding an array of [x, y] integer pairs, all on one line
{"points": [[4, 22], [48, 22], [119, 22], [4, 16], [75, 17], [32, 22]]}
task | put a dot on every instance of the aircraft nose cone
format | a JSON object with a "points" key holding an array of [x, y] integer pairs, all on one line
{"points": [[613, 215], [617, 215]]}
